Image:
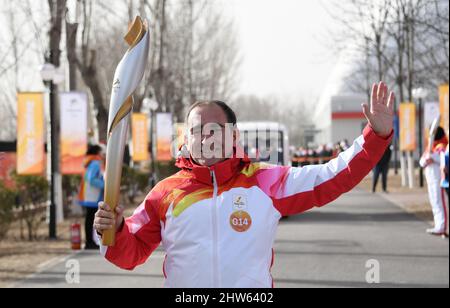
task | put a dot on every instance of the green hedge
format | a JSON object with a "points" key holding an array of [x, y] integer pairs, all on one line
{"points": [[33, 194], [7, 202]]}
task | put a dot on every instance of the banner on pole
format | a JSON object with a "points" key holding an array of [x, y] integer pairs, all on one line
{"points": [[139, 131], [164, 133], [407, 127], [443, 101], [30, 134], [73, 131], [180, 135]]}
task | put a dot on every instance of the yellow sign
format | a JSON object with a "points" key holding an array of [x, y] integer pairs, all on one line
{"points": [[443, 101], [30, 134], [139, 132], [407, 127]]}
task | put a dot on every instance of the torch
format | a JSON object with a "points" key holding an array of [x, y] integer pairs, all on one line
{"points": [[128, 75], [433, 131]]}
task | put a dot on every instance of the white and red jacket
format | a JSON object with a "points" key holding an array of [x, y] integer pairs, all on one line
{"points": [[436, 193], [217, 225]]}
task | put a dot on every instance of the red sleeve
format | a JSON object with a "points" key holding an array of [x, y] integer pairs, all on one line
{"points": [[139, 237], [296, 190]]}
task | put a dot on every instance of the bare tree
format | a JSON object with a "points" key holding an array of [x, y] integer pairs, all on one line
{"points": [[22, 50], [363, 27], [86, 58], [194, 51], [432, 43], [404, 41], [194, 54], [57, 11]]}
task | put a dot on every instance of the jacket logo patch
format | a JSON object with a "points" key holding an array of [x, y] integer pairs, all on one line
{"points": [[239, 203]]}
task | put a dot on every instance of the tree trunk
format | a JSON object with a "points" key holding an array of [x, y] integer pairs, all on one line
{"points": [[57, 9], [71, 42], [90, 78], [88, 70], [161, 69]]}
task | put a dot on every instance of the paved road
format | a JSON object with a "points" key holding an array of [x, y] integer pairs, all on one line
{"points": [[326, 247]]}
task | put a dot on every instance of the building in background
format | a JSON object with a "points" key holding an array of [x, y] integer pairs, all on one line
{"points": [[340, 118]]}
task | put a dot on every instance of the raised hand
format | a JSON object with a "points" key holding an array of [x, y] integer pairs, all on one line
{"points": [[380, 113]]}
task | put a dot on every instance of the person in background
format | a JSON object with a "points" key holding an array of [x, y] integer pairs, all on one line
{"points": [[431, 163], [382, 168], [444, 167], [91, 190], [344, 145]]}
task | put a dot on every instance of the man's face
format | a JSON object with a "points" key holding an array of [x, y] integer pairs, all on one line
{"points": [[210, 139]]}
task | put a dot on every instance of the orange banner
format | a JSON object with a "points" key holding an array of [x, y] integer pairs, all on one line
{"points": [[139, 130], [407, 127], [443, 101], [73, 132], [180, 131], [164, 130], [30, 134]]}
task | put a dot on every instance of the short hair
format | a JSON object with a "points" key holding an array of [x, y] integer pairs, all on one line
{"points": [[94, 150], [440, 133], [230, 114]]}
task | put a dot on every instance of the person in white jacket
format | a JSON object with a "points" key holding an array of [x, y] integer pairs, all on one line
{"points": [[430, 161], [217, 218]]}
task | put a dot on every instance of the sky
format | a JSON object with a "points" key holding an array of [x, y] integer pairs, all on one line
{"points": [[284, 47]]}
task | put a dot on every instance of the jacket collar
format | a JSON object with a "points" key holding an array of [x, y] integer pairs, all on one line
{"points": [[224, 171]]}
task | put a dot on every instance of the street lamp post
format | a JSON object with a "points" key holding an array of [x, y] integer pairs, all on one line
{"points": [[48, 74], [420, 140], [420, 94]]}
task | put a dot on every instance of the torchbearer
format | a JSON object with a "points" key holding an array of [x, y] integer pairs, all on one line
{"points": [[128, 75], [216, 219], [430, 161]]}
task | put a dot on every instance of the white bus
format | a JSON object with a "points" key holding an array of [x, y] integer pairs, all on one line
{"points": [[265, 142]]}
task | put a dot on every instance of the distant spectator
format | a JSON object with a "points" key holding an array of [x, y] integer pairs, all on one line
{"points": [[382, 168], [91, 190], [444, 167]]}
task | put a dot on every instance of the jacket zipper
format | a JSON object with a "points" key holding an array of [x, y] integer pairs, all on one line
{"points": [[215, 233]]}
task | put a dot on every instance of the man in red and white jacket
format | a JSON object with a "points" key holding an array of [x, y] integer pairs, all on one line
{"points": [[217, 218]]}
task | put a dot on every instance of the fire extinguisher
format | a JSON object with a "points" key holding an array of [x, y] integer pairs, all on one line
{"points": [[75, 236]]}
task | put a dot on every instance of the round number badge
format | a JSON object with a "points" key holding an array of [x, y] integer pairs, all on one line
{"points": [[240, 221]]}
